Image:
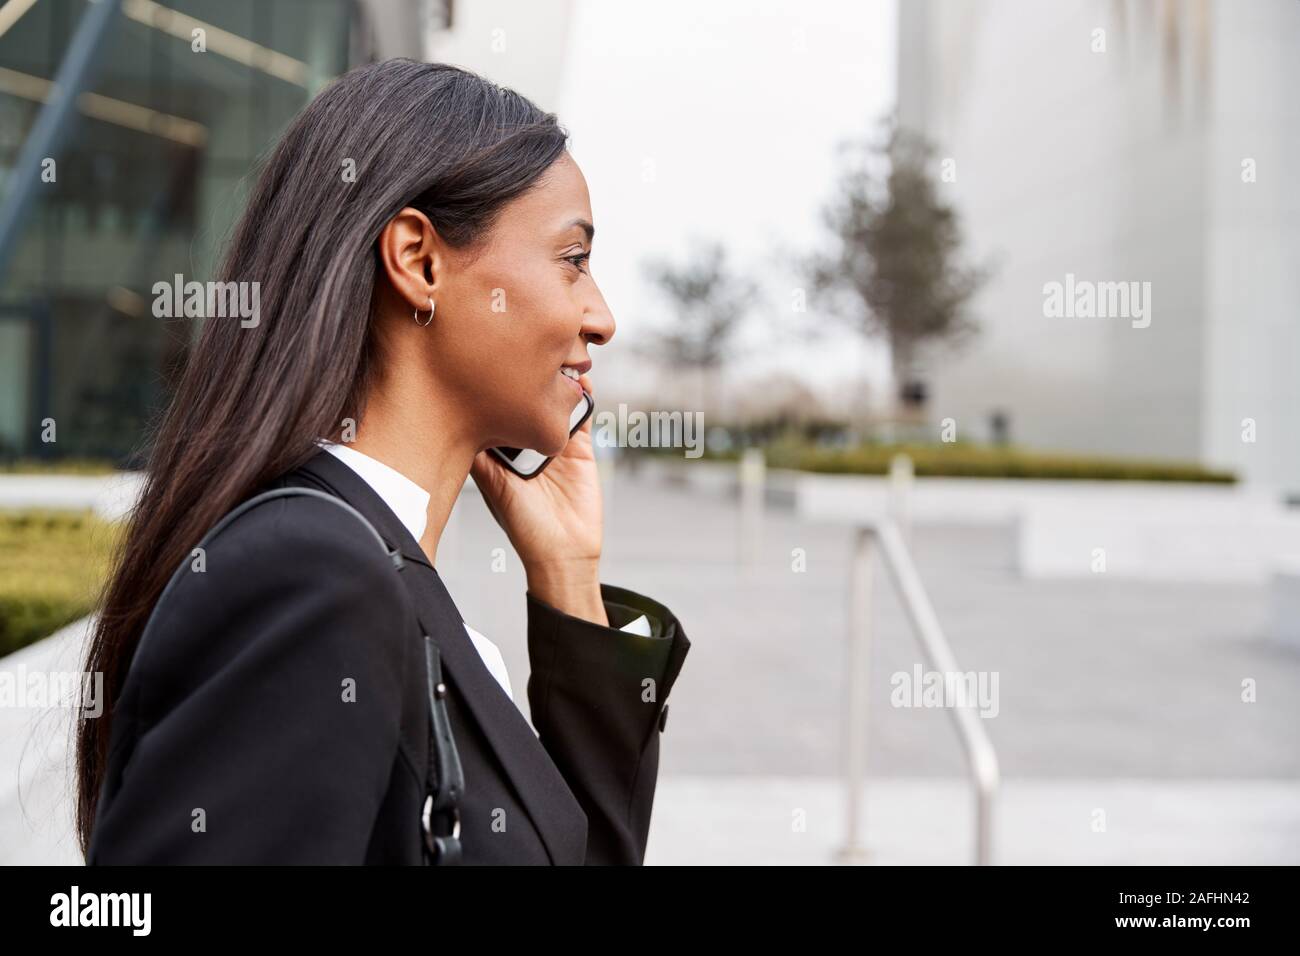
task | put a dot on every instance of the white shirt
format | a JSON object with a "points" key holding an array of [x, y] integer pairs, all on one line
{"points": [[410, 503]]}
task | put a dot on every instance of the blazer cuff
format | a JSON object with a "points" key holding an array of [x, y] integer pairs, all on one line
{"points": [[586, 648], [626, 608]]}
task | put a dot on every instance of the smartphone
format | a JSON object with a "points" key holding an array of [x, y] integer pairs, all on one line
{"points": [[527, 463]]}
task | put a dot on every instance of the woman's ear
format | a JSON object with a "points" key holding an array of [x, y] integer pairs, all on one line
{"points": [[412, 257]]}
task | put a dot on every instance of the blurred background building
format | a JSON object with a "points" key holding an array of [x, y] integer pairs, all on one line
{"points": [[1123, 140], [147, 183], [525, 46]]}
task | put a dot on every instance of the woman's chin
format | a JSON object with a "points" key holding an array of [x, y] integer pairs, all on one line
{"points": [[548, 442], [557, 447]]}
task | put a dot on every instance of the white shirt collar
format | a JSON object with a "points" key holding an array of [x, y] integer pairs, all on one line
{"points": [[404, 497]]}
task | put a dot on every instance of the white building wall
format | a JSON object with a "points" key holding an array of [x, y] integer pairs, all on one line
{"points": [[519, 45], [1116, 166], [1253, 244]]}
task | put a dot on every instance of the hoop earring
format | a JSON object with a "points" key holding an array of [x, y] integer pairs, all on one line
{"points": [[416, 314]]}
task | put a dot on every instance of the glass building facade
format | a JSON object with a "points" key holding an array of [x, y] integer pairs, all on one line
{"points": [[145, 184]]}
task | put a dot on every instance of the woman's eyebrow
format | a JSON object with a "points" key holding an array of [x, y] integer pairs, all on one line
{"points": [[586, 227]]}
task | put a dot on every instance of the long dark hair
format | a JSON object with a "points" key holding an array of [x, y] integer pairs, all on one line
{"points": [[253, 400]]}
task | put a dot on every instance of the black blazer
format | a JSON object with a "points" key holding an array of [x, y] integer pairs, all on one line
{"points": [[241, 747]]}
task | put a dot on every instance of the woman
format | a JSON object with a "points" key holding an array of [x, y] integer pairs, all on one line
{"points": [[420, 239]]}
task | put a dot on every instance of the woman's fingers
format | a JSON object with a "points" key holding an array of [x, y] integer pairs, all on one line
{"points": [[585, 381]]}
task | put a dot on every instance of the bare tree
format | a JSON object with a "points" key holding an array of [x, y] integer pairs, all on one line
{"points": [[709, 302], [894, 268]]}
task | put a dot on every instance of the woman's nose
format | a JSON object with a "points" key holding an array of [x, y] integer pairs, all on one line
{"points": [[598, 323]]}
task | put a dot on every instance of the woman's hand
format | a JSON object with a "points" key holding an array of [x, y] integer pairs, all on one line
{"points": [[554, 521]]}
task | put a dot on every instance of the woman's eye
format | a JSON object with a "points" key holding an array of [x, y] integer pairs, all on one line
{"points": [[579, 260]]}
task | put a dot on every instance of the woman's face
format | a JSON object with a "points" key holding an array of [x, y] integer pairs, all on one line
{"points": [[514, 311]]}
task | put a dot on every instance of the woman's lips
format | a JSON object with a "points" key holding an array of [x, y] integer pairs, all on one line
{"points": [[573, 382]]}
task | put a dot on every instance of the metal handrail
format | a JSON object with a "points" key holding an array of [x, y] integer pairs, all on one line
{"points": [[981, 758]]}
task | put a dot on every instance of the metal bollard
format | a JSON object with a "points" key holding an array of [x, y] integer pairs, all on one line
{"points": [[752, 476]]}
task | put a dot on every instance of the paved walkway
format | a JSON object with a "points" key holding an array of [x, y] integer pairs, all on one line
{"points": [[35, 772], [800, 821], [1123, 696], [1097, 678]]}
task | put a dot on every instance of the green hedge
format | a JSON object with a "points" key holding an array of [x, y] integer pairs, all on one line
{"points": [[976, 461], [56, 466], [52, 568]]}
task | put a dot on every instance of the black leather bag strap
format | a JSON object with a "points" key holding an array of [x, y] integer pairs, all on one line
{"points": [[445, 781], [440, 819]]}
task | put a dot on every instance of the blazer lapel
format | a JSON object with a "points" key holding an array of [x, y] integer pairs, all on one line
{"points": [[555, 811], [541, 787]]}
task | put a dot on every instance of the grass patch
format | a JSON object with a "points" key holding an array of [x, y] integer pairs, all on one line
{"points": [[53, 565], [57, 466], [978, 461]]}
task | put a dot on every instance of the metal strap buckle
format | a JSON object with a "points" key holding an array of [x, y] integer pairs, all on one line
{"points": [[442, 847]]}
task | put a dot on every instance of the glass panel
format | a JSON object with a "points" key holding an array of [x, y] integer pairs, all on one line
{"points": [[146, 186]]}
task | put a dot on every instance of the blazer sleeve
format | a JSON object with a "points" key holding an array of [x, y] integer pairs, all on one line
{"points": [[598, 696], [261, 723]]}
